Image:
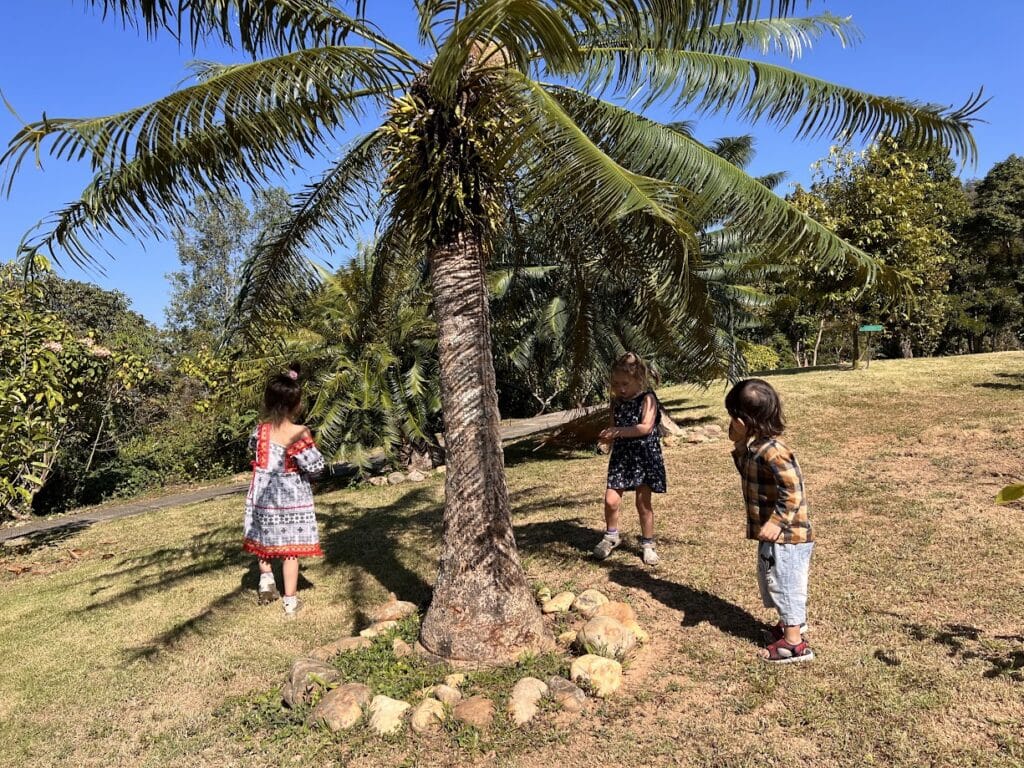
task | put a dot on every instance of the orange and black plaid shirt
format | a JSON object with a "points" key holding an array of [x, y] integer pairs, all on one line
{"points": [[773, 489]]}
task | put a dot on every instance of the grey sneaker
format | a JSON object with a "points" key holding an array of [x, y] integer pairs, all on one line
{"points": [[291, 610], [606, 545], [648, 553]]}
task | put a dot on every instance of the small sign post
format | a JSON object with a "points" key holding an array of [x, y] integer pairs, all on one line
{"points": [[869, 329]]}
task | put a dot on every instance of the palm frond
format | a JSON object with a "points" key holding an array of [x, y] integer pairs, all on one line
{"points": [[715, 184], [570, 161], [757, 90], [257, 27], [317, 85], [329, 210]]}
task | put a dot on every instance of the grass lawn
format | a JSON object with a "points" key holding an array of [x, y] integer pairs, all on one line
{"points": [[139, 642]]}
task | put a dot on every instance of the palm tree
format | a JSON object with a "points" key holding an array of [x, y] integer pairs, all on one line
{"points": [[517, 92]]}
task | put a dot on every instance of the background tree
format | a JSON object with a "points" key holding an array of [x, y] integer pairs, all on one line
{"points": [[522, 92], [987, 286], [891, 204], [212, 243]]}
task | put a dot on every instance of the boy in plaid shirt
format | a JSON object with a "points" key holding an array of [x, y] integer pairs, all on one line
{"points": [[777, 514]]}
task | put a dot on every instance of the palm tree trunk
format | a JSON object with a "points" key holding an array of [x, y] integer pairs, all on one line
{"points": [[482, 609]]}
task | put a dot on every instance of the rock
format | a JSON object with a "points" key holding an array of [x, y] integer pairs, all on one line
{"points": [[386, 714], [670, 442], [18, 543], [330, 650], [441, 470], [476, 711], [604, 676], [637, 631], [305, 674], [568, 637], [566, 694], [713, 429], [455, 679], [342, 707], [617, 610], [522, 702], [428, 716], [588, 602], [415, 476], [396, 478], [560, 603], [400, 648], [446, 694], [605, 636], [667, 425], [377, 480], [378, 628], [393, 610], [543, 594], [697, 438]]}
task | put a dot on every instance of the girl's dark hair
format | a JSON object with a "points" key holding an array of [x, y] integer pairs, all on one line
{"points": [[283, 395], [632, 365], [756, 404]]}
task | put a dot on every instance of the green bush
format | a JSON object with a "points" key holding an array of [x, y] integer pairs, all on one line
{"points": [[759, 357]]}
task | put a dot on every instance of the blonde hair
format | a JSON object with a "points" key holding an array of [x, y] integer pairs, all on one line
{"points": [[632, 365]]}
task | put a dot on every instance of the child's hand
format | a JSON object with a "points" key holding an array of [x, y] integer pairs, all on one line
{"points": [[609, 434], [737, 430], [770, 531]]}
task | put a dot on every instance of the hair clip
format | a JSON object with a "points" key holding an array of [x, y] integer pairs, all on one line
{"points": [[293, 375]]}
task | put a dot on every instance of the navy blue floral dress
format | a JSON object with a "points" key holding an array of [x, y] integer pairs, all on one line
{"points": [[636, 461]]}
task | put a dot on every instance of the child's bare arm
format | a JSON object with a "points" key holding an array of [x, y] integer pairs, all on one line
{"points": [[648, 416]]}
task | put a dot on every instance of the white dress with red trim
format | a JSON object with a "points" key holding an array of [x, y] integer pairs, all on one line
{"points": [[279, 516]]}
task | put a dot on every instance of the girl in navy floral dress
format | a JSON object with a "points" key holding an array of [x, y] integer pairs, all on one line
{"points": [[636, 463], [279, 518]]}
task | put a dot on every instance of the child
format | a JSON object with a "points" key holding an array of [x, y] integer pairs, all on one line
{"points": [[279, 519], [777, 514], [636, 463]]}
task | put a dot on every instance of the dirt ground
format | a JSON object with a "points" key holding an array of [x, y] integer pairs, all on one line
{"points": [[138, 642]]}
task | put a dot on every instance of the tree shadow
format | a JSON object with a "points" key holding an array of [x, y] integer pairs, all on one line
{"points": [[529, 449], [1016, 382], [696, 605], [366, 539], [48, 537], [969, 644]]}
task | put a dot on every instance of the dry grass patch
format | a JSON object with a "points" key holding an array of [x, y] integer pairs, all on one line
{"points": [[147, 648]]}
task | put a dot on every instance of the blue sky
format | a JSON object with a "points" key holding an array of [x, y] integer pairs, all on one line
{"points": [[58, 58]]}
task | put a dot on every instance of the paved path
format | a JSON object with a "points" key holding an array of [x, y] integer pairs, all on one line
{"points": [[511, 429]]}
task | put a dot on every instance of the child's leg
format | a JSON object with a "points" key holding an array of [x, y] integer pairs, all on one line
{"points": [[785, 584], [645, 511], [267, 590], [291, 576], [648, 553], [265, 566], [612, 503], [610, 540]]}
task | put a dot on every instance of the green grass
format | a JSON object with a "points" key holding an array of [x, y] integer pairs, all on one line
{"points": [[139, 642]]}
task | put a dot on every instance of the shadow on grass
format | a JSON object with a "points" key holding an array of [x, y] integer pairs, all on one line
{"points": [[365, 539], [696, 605], [968, 643], [50, 536], [1015, 383]]}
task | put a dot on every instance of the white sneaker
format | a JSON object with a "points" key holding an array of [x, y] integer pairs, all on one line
{"points": [[649, 554], [291, 609], [606, 545]]}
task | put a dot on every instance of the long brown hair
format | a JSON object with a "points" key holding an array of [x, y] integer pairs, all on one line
{"points": [[283, 395], [632, 365]]}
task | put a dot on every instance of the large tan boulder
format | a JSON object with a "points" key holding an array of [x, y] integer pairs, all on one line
{"points": [[524, 699], [387, 715], [605, 636], [342, 707], [429, 715], [603, 676]]}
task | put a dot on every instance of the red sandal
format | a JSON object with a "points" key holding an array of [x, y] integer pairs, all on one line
{"points": [[781, 652], [778, 632]]}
